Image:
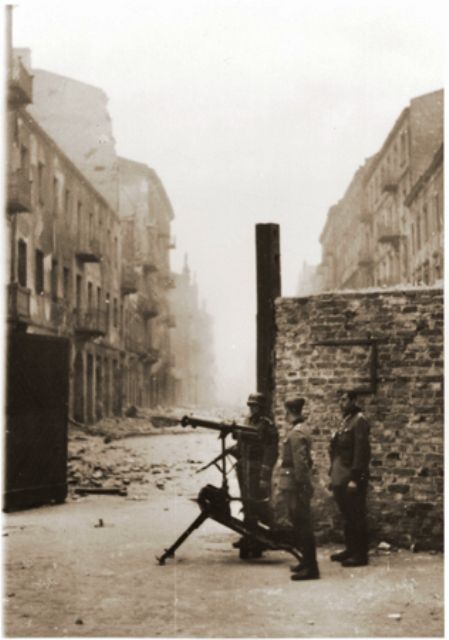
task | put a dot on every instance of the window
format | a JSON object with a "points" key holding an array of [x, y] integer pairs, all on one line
{"points": [[40, 181], [66, 283], [115, 312], [39, 272], [79, 290], [107, 300], [22, 262], [55, 196], [67, 202], [90, 299], [24, 158], [54, 280], [98, 297], [425, 224]]}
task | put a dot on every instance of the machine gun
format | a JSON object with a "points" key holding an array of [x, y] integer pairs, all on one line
{"points": [[225, 428], [214, 502]]}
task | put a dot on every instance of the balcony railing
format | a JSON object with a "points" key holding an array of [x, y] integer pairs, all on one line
{"points": [[147, 306], [129, 280], [19, 192], [389, 182], [20, 86], [19, 303], [91, 323], [388, 233], [134, 343], [88, 249], [149, 261]]}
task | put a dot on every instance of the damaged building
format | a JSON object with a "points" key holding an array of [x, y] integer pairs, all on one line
{"points": [[89, 239]]}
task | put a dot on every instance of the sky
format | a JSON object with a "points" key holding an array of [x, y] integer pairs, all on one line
{"points": [[250, 111]]}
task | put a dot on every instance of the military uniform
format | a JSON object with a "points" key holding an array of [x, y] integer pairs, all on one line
{"points": [[350, 456], [256, 459], [295, 483]]}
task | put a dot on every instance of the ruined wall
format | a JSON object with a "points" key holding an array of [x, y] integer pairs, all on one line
{"points": [[406, 413]]}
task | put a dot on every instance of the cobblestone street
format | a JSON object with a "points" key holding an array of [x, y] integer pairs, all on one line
{"points": [[88, 567]]}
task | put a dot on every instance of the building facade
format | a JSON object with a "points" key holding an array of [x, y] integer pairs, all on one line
{"points": [[80, 267], [192, 344], [371, 235], [146, 215], [64, 250]]}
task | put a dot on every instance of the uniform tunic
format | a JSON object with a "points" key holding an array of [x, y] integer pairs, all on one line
{"points": [[296, 485], [256, 459], [350, 456]]}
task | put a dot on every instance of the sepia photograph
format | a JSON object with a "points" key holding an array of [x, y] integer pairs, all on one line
{"points": [[223, 318]]}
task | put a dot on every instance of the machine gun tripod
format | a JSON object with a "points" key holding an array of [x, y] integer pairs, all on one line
{"points": [[214, 502]]}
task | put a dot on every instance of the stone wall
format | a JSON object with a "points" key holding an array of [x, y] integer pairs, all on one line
{"points": [[406, 412]]}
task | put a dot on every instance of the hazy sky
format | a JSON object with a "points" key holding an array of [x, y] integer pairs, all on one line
{"points": [[250, 111]]}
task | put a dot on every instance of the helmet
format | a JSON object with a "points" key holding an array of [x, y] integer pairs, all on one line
{"points": [[295, 404], [256, 399]]}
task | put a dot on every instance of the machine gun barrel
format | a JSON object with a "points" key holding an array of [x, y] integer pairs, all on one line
{"points": [[223, 427]]}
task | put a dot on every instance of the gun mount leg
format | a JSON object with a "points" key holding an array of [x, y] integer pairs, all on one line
{"points": [[170, 552]]}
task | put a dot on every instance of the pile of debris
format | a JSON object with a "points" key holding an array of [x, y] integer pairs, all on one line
{"points": [[95, 465]]}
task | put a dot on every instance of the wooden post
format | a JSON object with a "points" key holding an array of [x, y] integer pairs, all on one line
{"points": [[268, 288]]}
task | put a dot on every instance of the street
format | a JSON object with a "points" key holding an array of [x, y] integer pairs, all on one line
{"points": [[88, 568]]}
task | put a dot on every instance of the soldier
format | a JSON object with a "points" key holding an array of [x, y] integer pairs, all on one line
{"points": [[350, 455], [256, 459], [296, 486]]}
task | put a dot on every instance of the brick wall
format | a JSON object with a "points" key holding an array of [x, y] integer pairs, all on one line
{"points": [[406, 413]]}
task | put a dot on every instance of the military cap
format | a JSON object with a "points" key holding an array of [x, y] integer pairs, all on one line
{"points": [[295, 404], [256, 398]]}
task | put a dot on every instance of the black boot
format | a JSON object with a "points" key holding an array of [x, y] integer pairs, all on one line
{"points": [[307, 573], [341, 555]]}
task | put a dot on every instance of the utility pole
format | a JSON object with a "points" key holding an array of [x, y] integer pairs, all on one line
{"points": [[268, 276]]}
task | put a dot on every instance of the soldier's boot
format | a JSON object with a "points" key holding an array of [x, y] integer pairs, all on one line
{"points": [[355, 561], [340, 556], [238, 544], [307, 573]]}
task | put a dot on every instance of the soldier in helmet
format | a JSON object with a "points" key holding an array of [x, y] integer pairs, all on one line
{"points": [[256, 459], [296, 487]]}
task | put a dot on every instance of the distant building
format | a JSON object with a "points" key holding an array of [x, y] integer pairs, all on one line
{"points": [[309, 280], [192, 345], [392, 210], [146, 215]]}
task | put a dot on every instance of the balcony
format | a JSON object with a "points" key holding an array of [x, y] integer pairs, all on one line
{"points": [[388, 233], [129, 280], [171, 243], [149, 262], [167, 281], [19, 192], [389, 182], [147, 306], [90, 324], [88, 249], [19, 303], [20, 85]]}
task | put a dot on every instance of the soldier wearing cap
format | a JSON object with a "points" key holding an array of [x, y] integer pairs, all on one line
{"points": [[350, 455], [256, 459], [296, 485]]}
